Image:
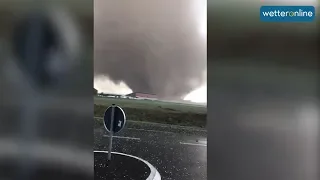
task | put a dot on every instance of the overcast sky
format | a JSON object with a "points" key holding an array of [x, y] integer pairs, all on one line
{"points": [[150, 46]]}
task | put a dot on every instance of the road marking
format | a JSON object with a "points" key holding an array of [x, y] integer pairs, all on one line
{"points": [[123, 137], [154, 174], [193, 144], [151, 130], [202, 142]]}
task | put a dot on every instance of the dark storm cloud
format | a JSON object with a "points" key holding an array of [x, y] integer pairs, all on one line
{"points": [[153, 46]]}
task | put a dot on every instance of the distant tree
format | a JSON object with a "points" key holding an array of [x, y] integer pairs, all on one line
{"points": [[95, 92]]}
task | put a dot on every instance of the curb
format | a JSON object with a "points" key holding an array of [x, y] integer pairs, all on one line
{"points": [[154, 174]]}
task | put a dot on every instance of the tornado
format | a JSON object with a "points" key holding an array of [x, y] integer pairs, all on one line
{"points": [[153, 46]]}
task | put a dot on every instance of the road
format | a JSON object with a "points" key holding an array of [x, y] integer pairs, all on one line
{"points": [[178, 153]]}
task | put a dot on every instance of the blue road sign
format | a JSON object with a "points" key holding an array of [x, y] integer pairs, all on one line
{"points": [[119, 119]]}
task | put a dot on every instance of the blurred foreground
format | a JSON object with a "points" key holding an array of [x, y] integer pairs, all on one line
{"points": [[46, 89], [263, 94]]}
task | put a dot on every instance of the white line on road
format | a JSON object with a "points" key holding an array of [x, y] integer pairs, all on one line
{"points": [[154, 174], [123, 137], [151, 130], [193, 144]]}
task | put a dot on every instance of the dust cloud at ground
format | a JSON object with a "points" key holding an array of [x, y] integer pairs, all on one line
{"points": [[152, 46]]}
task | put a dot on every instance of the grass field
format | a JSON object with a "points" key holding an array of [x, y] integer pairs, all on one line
{"points": [[156, 111]]}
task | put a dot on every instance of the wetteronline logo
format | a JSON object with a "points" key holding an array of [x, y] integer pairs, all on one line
{"points": [[287, 13]]}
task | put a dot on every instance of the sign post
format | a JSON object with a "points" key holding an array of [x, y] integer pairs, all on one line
{"points": [[114, 121], [111, 132]]}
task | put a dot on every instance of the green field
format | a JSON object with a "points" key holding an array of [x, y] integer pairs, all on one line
{"points": [[156, 111]]}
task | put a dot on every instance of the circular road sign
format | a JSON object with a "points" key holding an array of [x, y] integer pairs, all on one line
{"points": [[119, 119]]}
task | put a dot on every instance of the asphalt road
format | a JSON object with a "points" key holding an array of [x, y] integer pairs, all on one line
{"points": [[177, 153]]}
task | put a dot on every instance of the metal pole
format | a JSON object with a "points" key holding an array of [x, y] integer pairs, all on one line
{"points": [[111, 133]]}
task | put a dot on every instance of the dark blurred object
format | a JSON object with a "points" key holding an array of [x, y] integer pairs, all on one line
{"points": [[263, 95], [34, 39], [46, 75]]}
